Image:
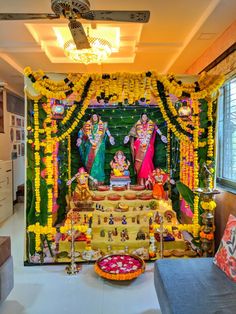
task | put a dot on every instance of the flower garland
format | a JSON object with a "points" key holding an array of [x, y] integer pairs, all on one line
{"points": [[37, 158], [211, 205], [168, 151], [195, 164], [207, 85], [80, 114], [179, 134], [191, 228], [210, 137], [49, 160], [207, 236], [39, 230]]}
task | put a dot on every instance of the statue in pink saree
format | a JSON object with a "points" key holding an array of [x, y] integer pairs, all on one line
{"points": [[142, 138]]}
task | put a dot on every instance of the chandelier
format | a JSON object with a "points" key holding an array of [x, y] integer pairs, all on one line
{"points": [[99, 52]]}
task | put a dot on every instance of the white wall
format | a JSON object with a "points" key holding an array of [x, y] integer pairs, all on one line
{"points": [[6, 150]]}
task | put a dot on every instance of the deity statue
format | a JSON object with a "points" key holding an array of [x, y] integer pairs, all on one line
{"points": [[91, 142], [158, 178], [120, 165], [82, 192], [142, 138]]}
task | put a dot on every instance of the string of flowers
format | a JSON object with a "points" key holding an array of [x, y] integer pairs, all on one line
{"points": [[187, 227], [195, 164], [210, 137], [49, 160], [37, 158], [182, 135], [168, 150], [39, 230], [206, 85], [80, 114]]}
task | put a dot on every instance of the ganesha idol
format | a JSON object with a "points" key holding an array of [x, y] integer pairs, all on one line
{"points": [[120, 175]]}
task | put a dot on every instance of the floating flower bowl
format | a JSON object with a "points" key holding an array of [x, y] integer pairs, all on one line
{"points": [[119, 267]]}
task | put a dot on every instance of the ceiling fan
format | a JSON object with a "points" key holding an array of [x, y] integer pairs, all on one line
{"points": [[80, 9]]}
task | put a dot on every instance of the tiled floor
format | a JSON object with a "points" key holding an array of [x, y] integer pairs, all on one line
{"points": [[48, 290]]}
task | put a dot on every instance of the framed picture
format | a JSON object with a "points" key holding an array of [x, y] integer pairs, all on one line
{"points": [[18, 122], [22, 149], [19, 150], [12, 120], [18, 135], [12, 135], [22, 134]]}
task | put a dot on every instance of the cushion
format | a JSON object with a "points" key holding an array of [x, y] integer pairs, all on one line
{"points": [[5, 249], [225, 257], [193, 286]]}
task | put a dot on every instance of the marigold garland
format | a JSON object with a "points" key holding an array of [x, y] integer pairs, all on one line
{"points": [[69, 163], [37, 158]]}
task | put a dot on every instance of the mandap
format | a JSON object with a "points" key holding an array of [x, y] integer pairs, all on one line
{"points": [[117, 163]]}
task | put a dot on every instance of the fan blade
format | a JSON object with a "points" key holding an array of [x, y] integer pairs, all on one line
{"points": [[27, 16], [78, 34], [123, 16]]}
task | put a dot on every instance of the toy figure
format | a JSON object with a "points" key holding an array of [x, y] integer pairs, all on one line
{"points": [[158, 178], [102, 233], [122, 234], [115, 232], [120, 165], [111, 220], [142, 137], [82, 192], [110, 236], [124, 222], [91, 142]]}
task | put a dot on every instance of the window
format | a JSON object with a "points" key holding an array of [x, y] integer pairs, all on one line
{"points": [[226, 170]]}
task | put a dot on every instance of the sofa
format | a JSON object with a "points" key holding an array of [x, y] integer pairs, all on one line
{"points": [[193, 286], [6, 268]]}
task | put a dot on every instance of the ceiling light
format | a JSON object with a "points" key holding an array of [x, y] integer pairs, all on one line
{"points": [[99, 52]]}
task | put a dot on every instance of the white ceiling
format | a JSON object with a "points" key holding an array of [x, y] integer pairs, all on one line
{"points": [[178, 32]]}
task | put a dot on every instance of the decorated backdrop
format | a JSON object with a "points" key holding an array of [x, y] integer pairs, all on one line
{"points": [[57, 108]]}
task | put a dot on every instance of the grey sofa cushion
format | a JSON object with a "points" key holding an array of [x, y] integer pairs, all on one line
{"points": [[6, 279], [193, 286]]}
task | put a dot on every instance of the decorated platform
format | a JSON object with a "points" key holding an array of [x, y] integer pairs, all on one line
{"points": [[115, 161]]}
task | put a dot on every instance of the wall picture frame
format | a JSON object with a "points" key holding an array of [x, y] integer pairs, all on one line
{"points": [[18, 122], [18, 135]]}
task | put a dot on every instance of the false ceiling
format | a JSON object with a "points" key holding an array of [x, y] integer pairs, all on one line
{"points": [[176, 35]]}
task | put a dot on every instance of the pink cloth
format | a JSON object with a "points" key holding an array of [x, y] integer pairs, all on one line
{"points": [[147, 164], [185, 208]]}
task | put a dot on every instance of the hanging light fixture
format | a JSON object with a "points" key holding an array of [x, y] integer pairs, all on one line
{"points": [[99, 52], [184, 108]]}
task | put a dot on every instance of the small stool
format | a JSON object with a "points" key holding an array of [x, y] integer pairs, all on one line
{"points": [[120, 181]]}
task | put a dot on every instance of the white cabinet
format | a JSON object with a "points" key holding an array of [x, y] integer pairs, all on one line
{"points": [[6, 201]]}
